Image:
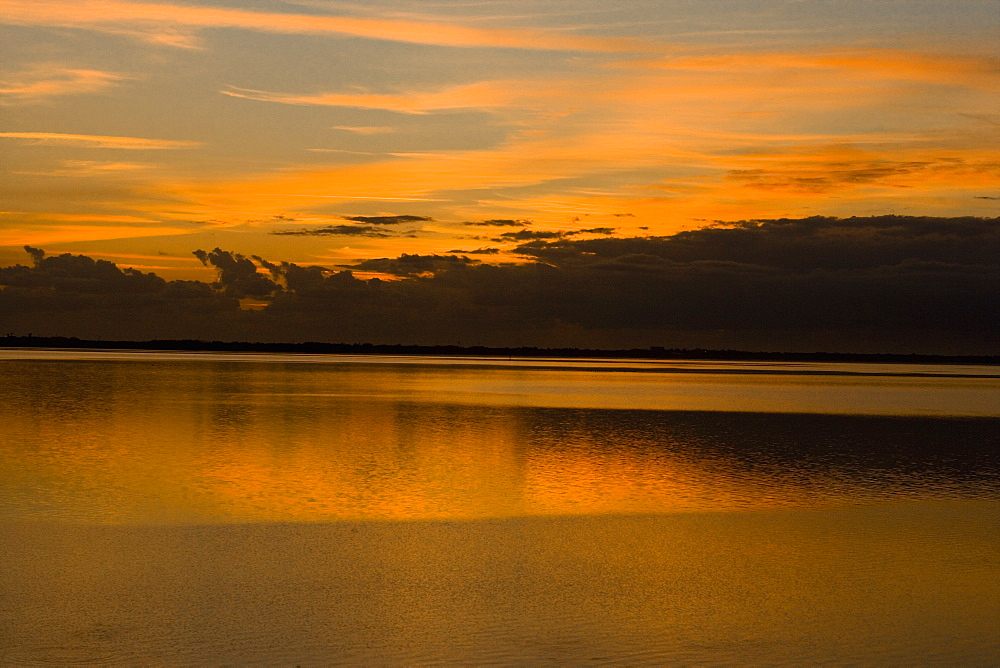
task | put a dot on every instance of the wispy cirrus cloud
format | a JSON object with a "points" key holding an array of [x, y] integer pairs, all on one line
{"points": [[846, 170], [43, 82], [364, 129], [784, 179], [60, 234], [479, 95], [91, 168], [709, 136], [99, 141], [43, 217], [709, 96], [882, 63], [166, 23]]}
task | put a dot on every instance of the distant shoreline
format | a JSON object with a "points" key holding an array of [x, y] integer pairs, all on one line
{"points": [[654, 352]]}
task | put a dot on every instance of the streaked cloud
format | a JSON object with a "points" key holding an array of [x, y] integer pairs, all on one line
{"points": [[364, 129], [63, 234], [845, 169], [43, 82], [479, 95], [344, 151], [92, 168], [782, 180], [160, 21], [81, 217], [499, 222], [337, 231], [389, 220], [888, 63], [99, 141], [414, 265], [528, 235], [351, 196], [477, 251], [162, 257]]}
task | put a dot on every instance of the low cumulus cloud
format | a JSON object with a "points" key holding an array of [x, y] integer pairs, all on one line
{"points": [[798, 245], [414, 265], [75, 295], [238, 275], [866, 284]]}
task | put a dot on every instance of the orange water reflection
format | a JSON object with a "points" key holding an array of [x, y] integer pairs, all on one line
{"points": [[883, 551], [218, 441]]}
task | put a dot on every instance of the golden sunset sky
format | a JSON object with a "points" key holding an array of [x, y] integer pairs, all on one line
{"points": [[140, 131]]}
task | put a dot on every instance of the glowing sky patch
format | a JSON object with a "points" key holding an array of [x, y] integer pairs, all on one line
{"points": [[643, 116]]}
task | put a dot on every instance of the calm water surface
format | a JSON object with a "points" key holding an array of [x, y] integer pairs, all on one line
{"points": [[233, 508]]}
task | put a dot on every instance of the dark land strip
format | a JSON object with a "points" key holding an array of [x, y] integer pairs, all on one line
{"points": [[652, 353]]}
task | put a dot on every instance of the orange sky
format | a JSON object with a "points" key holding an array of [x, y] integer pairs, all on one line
{"points": [[139, 131]]}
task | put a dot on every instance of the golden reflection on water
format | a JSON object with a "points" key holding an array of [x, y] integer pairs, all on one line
{"points": [[872, 539], [218, 441]]}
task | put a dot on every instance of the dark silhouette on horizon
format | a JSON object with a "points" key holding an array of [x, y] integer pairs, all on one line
{"points": [[652, 353], [878, 284]]}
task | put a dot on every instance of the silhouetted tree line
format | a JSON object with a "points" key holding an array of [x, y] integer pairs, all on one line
{"points": [[653, 353], [866, 284]]}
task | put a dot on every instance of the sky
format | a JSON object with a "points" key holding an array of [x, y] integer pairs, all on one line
{"points": [[777, 174], [138, 132]]}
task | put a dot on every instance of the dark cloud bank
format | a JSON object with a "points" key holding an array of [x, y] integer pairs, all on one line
{"points": [[877, 284]]}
